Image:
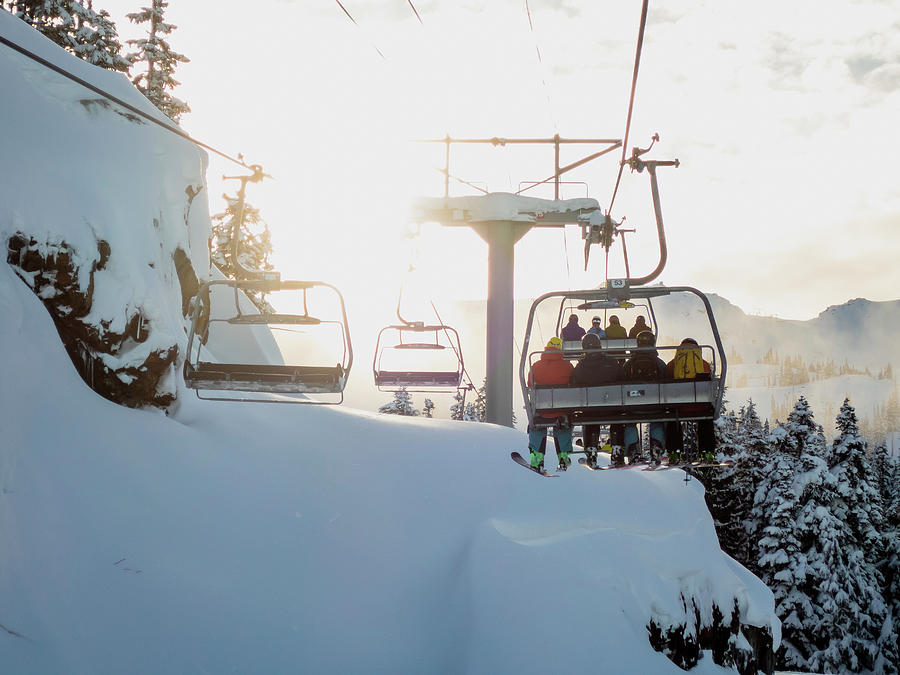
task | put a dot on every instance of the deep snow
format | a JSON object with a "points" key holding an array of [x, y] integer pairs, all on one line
{"points": [[255, 538]]}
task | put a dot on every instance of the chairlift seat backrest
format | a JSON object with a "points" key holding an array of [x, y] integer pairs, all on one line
{"points": [[626, 402], [419, 345], [275, 319]]}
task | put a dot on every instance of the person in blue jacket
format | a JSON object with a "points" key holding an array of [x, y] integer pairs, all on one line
{"points": [[597, 327]]}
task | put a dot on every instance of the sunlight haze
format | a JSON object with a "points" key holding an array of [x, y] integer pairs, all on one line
{"points": [[782, 116]]}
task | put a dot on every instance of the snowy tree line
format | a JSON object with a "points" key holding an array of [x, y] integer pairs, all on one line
{"points": [[460, 409], [819, 523], [91, 35]]}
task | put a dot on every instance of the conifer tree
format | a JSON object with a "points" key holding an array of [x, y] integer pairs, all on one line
{"points": [[889, 468], [782, 546], [779, 564], [157, 61], [255, 244], [76, 27], [730, 491], [401, 405], [428, 408], [858, 634], [463, 411]]}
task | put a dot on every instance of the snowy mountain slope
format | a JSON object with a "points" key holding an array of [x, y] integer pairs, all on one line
{"points": [[271, 538], [252, 538]]}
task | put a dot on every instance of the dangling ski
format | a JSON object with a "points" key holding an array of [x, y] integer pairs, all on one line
{"points": [[609, 467], [690, 465], [518, 459]]}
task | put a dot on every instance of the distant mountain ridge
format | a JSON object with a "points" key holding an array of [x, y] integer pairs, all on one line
{"points": [[863, 332]]}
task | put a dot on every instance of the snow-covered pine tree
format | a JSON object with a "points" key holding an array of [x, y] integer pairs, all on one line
{"points": [[472, 411], [428, 409], [255, 244], [459, 408], [401, 405], [889, 469], [720, 495], [479, 407], [76, 27], [156, 81], [464, 411], [781, 561], [858, 635], [820, 534], [747, 445]]}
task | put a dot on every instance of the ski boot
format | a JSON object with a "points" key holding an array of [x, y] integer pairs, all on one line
{"points": [[657, 451], [537, 460], [564, 461], [617, 457], [590, 456]]}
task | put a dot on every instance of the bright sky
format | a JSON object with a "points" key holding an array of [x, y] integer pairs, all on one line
{"points": [[782, 115]]}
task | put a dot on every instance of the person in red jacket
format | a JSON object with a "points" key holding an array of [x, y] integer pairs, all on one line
{"points": [[551, 369]]}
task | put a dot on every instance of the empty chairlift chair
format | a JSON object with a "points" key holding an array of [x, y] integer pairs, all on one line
{"points": [[418, 357], [237, 345]]}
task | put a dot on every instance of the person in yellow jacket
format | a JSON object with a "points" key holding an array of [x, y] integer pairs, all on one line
{"points": [[689, 364], [615, 330]]}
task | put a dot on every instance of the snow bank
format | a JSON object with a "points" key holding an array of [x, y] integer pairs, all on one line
{"points": [[271, 538], [87, 177]]}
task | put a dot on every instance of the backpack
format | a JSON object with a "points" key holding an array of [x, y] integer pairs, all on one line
{"points": [[643, 367], [688, 364]]}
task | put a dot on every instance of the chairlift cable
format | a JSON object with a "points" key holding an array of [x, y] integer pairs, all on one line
{"points": [[416, 12], [566, 252], [637, 63], [544, 83], [105, 94], [452, 345], [350, 16]]}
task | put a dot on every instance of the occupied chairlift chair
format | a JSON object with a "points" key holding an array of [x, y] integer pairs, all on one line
{"points": [[624, 402], [205, 374]]}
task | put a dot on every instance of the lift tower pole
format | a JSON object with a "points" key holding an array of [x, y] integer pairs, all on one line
{"points": [[501, 219]]}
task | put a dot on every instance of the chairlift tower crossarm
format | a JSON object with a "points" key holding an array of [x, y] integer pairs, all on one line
{"points": [[557, 141]]}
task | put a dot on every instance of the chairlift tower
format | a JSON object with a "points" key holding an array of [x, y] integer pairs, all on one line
{"points": [[502, 219]]}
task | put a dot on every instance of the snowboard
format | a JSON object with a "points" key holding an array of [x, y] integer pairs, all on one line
{"points": [[518, 459]]}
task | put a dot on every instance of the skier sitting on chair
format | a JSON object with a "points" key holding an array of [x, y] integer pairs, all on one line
{"points": [[572, 331], [551, 369], [596, 368], [644, 366], [689, 364]]}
